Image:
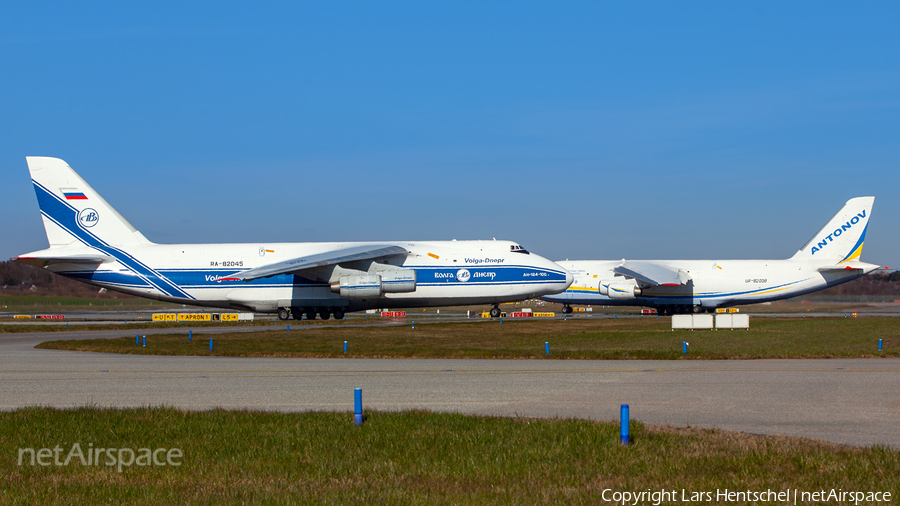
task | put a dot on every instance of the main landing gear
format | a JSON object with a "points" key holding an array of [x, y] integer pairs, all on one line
{"points": [[567, 309], [297, 313], [495, 312]]}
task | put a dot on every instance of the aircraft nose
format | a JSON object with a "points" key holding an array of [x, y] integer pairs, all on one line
{"points": [[569, 279]]}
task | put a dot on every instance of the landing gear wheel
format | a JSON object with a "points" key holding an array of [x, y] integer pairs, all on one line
{"points": [[662, 311], [698, 309], [310, 314], [324, 314], [297, 313], [284, 314], [338, 315], [495, 312], [567, 309]]}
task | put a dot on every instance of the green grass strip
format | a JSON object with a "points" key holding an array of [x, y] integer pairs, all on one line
{"points": [[573, 339], [408, 458]]}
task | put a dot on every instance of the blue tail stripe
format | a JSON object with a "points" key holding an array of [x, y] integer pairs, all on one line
{"points": [[66, 217], [862, 238]]}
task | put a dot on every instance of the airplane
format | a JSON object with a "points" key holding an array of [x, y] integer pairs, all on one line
{"points": [[830, 258], [91, 242]]}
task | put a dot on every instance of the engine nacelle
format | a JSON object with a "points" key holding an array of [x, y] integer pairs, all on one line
{"points": [[621, 290], [398, 281], [359, 287]]}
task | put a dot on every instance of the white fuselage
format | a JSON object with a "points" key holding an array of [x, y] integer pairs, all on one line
{"points": [[447, 273], [713, 283]]}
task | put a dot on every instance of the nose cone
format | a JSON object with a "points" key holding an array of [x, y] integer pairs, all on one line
{"points": [[562, 278]]}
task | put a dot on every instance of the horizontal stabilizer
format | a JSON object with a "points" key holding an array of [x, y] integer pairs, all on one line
{"points": [[354, 254], [63, 256], [652, 273], [862, 266]]}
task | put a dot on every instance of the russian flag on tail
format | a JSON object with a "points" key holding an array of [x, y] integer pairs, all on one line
{"points": [[73, 195]]}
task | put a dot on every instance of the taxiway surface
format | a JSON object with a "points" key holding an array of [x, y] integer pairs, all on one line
{"points": [[847, 401]]}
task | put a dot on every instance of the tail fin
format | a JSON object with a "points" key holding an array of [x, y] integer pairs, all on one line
{"points": [[73, 212], [841, 239]]}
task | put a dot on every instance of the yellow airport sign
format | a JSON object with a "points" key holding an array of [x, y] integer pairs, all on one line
{"points": [[544, 315], [229, 317], [164, 317], [194, 317], [26, 316]]}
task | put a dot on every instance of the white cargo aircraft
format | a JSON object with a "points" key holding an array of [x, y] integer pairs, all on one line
{"points": [[830, 258], [91, 242]]}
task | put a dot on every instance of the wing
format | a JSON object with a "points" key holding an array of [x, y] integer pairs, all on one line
{"points": [[652, 273], [365, 252]]}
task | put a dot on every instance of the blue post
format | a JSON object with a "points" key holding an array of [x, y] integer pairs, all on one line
{"points": [[210, 344], [617, 317], [501, 321], [684, 347], [879, 345], [137, 339], [345, 346], [357, 405], [624, 436], [414, 324], [67, 325], [289, 328], [190, 334], [547, 347], [145, 340]]}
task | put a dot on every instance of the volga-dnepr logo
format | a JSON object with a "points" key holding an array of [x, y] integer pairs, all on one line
{"points": [[463, 275], [88, 217]]}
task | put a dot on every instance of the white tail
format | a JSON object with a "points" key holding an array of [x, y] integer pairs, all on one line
{"points": [[841, 239], [73, 213]]}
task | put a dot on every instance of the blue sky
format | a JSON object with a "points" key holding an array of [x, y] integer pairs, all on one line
{"points": [[582, 130]]}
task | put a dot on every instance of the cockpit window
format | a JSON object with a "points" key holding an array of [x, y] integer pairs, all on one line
{"points": [[515, 248]]}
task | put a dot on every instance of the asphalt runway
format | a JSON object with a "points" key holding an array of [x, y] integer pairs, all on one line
{"points": [[847, 401]]}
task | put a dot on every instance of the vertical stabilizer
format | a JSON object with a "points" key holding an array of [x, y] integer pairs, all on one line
{"points": [[73, 212], [841, 239]]}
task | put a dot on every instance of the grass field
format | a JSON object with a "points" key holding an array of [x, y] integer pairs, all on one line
{"points": [[407, 458], [572, 339]]}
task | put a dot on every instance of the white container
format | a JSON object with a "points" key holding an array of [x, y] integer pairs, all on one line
{"points": [[723, 321], [682, 321], [703, 321]]}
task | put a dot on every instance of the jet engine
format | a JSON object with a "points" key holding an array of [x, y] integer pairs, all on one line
{"points": [[622, 289], [398, 281], [370, 286], [359, 287]]}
